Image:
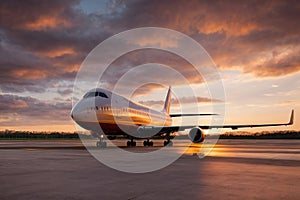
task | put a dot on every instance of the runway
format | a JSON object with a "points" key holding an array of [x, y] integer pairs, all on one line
{"points": [[235, 169]]}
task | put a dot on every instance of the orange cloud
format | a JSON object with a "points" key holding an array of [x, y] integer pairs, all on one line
{"points": [[58, 52], [15, 104], [162, 41], [47, 22], [20, 104], [229, 26], [30, 74], [279, 62]]}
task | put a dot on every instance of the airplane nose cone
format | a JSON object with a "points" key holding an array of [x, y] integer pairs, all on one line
{"points": [[76, 111], [73, 113]]}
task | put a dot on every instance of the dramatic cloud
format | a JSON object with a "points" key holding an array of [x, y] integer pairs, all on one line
{"points": [[127, 63], [42, 42], [46, 41], [18, 110], [238, 34]]}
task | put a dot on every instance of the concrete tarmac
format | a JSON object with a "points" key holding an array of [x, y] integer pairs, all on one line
{"points": [[235, 169]]}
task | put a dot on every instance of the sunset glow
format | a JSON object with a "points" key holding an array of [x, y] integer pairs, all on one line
{"points": [[255, 46]]}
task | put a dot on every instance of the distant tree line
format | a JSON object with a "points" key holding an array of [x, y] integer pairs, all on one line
{"points": [[11, 134], [262, 135]]}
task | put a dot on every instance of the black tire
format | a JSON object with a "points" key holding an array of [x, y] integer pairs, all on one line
{"points": [[145, 143], [165, 143], [168, 143], [104, 144], [101, 144], [128, 143]]}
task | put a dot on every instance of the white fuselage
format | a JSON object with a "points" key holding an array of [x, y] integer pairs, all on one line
{"points": [[103, 111]]}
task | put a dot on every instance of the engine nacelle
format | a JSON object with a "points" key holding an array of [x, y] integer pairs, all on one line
{"points": [[196, 135]]}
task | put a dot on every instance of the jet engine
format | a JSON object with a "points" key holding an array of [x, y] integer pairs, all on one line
{"points": [[196, 135]]}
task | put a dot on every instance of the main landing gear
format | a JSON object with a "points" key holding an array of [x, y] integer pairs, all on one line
{"points": [[131, 143], [101, 143], [148, 143], [168, 142]]}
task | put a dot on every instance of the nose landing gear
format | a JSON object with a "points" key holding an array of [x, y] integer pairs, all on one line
{"points": [[101, 143], [168, 142]]}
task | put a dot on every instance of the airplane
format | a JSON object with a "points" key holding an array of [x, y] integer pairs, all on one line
{"points": [[118, 116]]}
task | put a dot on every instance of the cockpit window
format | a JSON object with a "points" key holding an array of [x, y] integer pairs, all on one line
{"points": [[90, 94], [101, 94], [95, 94]]}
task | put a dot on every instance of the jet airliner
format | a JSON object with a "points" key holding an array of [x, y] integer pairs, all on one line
{"points": [[118, 116]]}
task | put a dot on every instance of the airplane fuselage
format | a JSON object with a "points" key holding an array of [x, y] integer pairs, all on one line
{"points": [[101, 110]]}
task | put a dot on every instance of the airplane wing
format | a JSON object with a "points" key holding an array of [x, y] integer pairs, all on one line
{"points": [[171, 129], [184, 115]]}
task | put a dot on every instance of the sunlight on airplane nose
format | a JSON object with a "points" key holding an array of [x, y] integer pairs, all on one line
{"points": [[72, 114], [75, 111]]}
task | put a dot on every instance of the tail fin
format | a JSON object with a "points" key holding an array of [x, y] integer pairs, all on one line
{"points": [[168, 101]]}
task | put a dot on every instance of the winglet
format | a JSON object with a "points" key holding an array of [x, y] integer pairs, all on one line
{"points": [[292, 118]]}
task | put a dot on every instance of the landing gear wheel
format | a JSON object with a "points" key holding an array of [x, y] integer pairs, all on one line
{"points": [[148, 143], [131, 143], [145, 143], [101, 144], [168, 143]]}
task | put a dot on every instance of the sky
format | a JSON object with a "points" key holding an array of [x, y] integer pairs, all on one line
{"points": [[254, 44]]}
